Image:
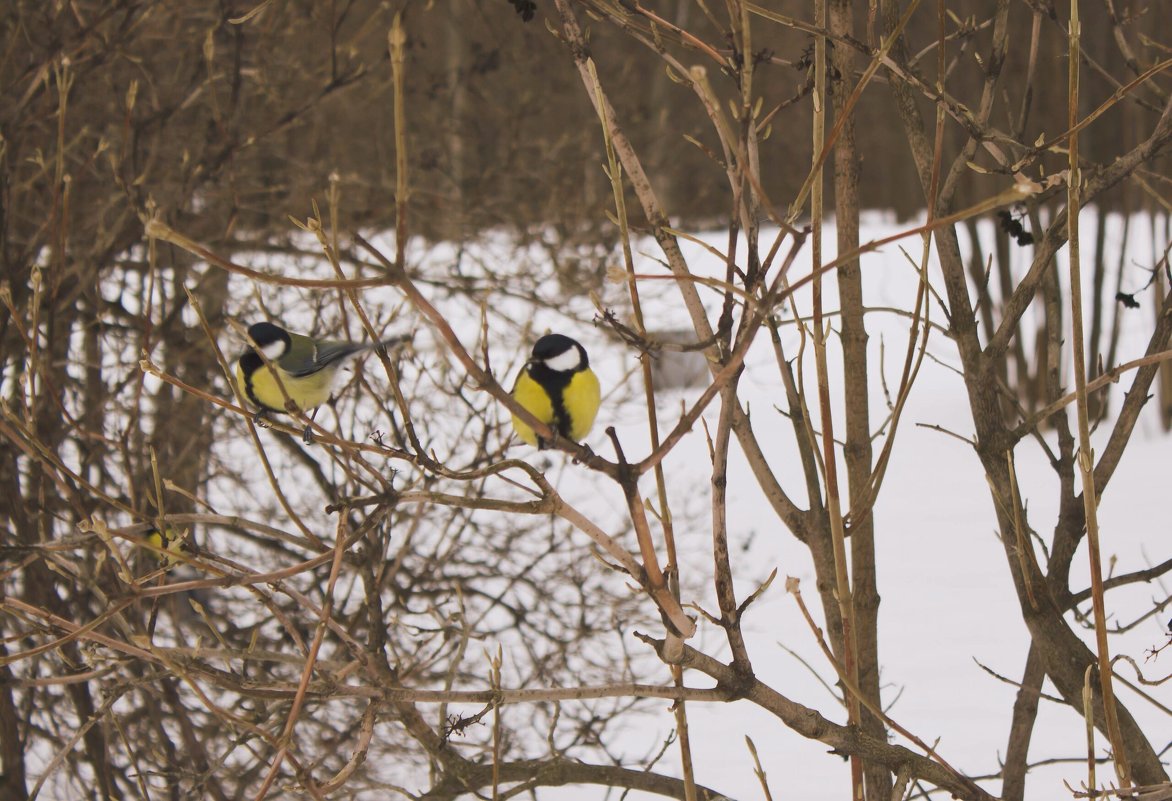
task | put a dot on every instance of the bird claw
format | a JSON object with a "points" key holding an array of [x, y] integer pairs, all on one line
{"points": [[307, 435], [261, 419]]}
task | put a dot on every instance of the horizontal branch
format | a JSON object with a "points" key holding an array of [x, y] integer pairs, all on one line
{"points": [[156, 229], [467, 776], [1150, 574], [523, 696]]}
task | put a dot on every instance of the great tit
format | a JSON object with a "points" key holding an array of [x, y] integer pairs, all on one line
{"points": [[557, 387], [167, 543], [304, 367]]}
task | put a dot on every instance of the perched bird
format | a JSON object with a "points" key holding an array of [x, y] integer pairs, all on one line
{"points": [[167, 544], [304, 367], [557, 387]]}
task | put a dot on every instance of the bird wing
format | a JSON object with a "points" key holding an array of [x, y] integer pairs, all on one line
{"points": [[321, 356]]}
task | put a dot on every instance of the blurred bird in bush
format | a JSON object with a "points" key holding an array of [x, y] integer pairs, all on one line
{"points": [[557, 387], [167, 543], [304, 367]]}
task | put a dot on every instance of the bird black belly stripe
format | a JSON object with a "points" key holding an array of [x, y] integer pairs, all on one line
{"points": [[561, 418], [555, 382]]}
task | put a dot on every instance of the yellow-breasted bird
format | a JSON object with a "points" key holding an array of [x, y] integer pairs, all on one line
{"points": [[169, 543], [305, 367], [557, 387]]}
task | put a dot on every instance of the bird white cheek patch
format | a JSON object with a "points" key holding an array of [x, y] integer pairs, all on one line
{"points": [[564, 362], [274, 350]]}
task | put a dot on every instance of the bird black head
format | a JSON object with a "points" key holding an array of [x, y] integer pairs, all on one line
{"points": [[560, 353], [273, 340]]}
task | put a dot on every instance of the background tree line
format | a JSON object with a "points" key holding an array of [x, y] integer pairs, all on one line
{"points": [[232, 125]]}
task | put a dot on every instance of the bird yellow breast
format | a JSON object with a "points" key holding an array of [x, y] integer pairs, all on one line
{"points": [[307, 392], [536, 401], [580, 398]]}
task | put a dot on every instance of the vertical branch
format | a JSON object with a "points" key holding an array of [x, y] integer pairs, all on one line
{"points": [[1025, 712], [1085, 454], [858, 454], [722, 567], [397, 41], [748, 164], [63, 80], [614, 171], [495, 682], [13, 750], [1100, 309], [1031, 68], [1088, 702], [830, 461], [456, 45]]}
